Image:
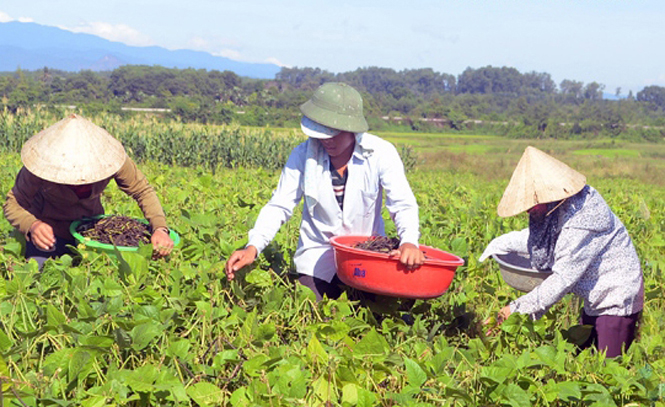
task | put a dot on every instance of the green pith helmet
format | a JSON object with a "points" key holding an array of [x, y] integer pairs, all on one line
{"points": [[336, 105]]}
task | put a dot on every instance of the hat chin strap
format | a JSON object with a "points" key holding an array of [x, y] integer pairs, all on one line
{"points": [[555, 208]]}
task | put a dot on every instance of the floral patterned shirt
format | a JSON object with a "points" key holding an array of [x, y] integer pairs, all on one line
{"points": [[594, 258]]}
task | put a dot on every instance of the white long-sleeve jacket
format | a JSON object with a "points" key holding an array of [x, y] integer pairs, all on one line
{"points": [[374, 167]]}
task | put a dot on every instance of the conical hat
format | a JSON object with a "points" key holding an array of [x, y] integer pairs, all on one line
{"points": [[74, 151], [538, 178]]}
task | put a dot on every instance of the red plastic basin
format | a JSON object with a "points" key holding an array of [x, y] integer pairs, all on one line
{"points": [[380, 274]]}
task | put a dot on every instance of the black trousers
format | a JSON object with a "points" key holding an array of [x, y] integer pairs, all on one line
{"points": [[59, 248], [332, 289]]}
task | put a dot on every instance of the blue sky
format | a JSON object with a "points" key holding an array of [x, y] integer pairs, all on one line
{"points": [[618, 43]]}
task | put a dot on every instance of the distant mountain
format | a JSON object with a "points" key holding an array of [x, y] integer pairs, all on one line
{"points": [[32, 46]]}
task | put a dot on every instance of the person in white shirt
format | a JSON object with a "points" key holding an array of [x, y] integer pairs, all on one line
{"points": [[574, 233], [341, 171]]}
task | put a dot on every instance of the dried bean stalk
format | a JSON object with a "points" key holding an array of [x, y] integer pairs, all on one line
{"points": [[381, 244], [117, 230]]}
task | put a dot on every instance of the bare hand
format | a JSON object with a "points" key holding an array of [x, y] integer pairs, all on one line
{"points": [[41, 235], [162, 243], [409, 255], [240, 259], [501, 316]]}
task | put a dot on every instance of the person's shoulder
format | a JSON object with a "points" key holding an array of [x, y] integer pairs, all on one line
{"points": [[298, 155], [374, 142], [25, 174], [127, 168], [588, 210], [301, 149], [373, 139]]}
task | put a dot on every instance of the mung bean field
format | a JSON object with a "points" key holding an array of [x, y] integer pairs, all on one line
{"points": [[102, 331]]}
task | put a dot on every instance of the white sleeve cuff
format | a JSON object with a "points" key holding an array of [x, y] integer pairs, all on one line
{"points": [[409, 239], [258, 244]]}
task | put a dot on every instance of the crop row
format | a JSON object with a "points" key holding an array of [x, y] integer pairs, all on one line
{"points": [[174, 143]]}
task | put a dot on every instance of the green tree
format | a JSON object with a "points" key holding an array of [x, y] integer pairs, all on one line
{"points": [[654, 95]]}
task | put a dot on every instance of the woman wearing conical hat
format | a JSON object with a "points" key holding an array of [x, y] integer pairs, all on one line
{"points": [[573, 233], [340, 173], [65, 170]]}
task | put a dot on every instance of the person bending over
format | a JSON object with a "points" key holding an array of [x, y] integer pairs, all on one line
{"points": [[340, 172]]}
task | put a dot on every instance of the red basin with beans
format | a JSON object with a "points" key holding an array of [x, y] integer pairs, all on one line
{"points": [[379, 273]]}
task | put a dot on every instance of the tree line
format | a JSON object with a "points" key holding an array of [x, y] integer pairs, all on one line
{"points": [[498, 100]]}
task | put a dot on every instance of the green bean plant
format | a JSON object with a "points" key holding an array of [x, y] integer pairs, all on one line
{"points": [[98, 329]]}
